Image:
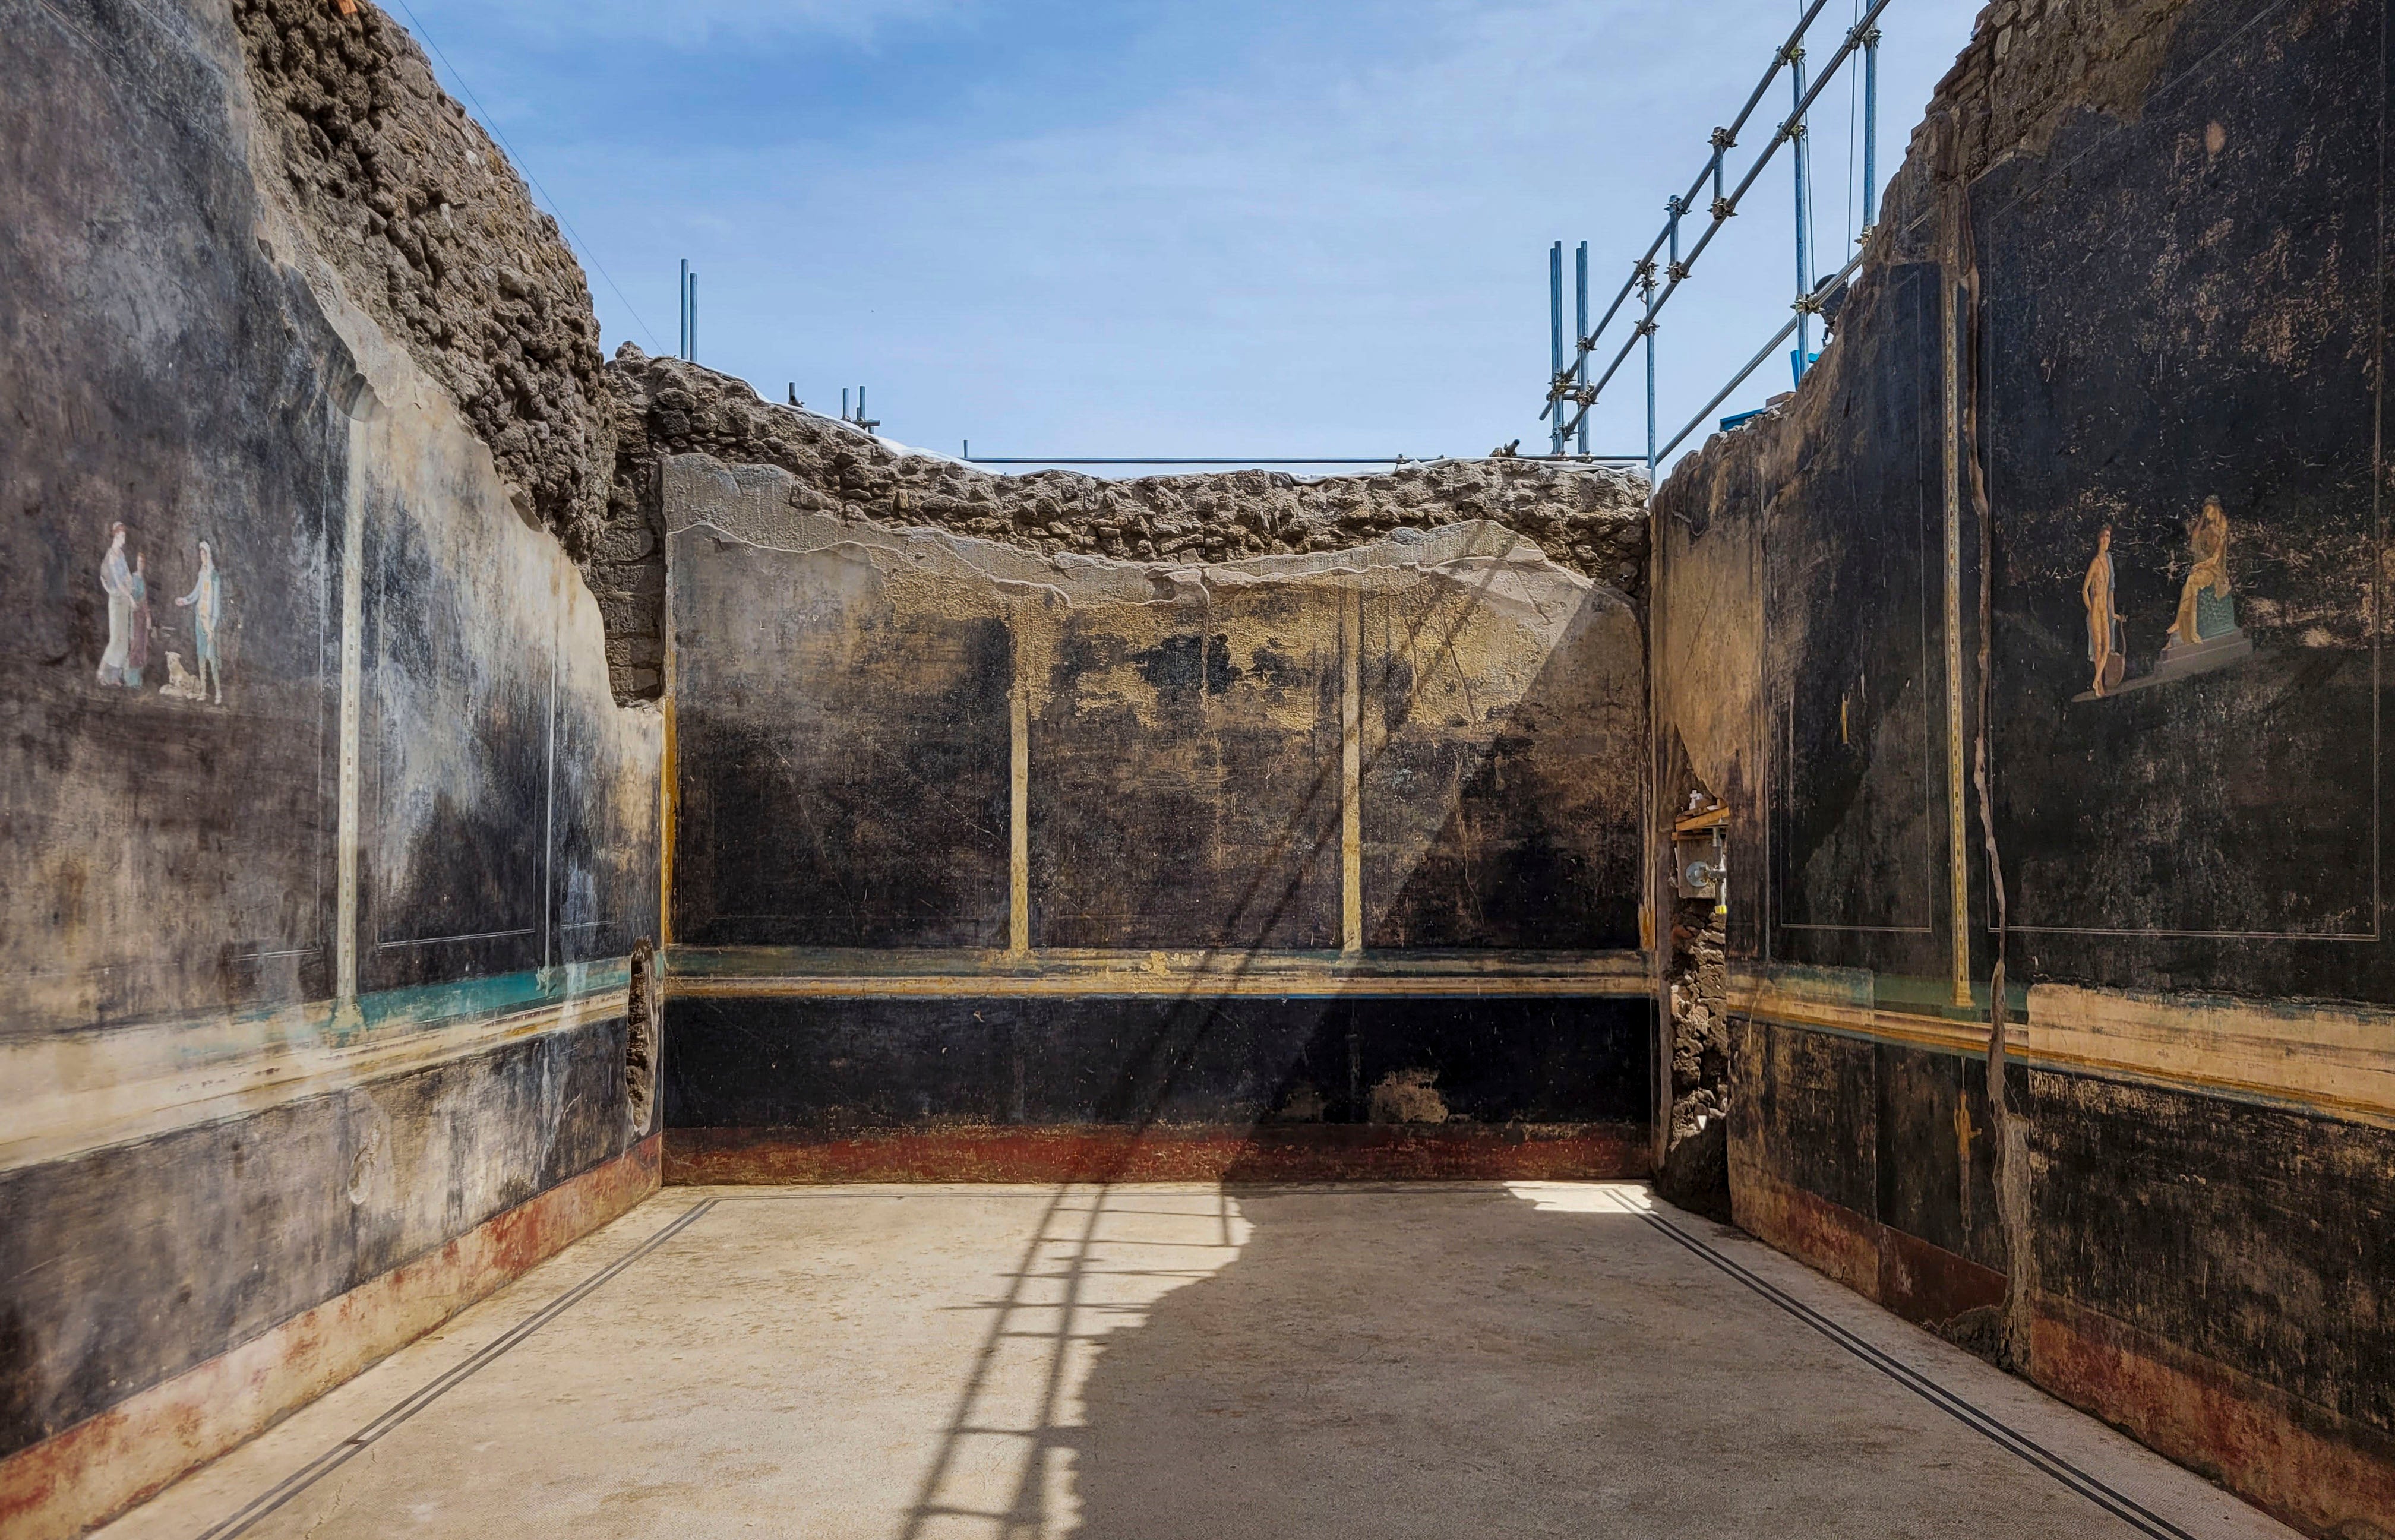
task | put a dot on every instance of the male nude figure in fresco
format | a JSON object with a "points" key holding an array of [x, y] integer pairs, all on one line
{"points": [[2103, 618]]}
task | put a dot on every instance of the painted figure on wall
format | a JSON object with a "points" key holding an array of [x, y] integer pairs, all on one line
{"points": [[116, 581], [2095, 591], [206, 603], [2202, 637], [137, 640], [2205, 611]]}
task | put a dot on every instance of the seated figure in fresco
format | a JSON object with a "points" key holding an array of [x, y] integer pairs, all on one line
{"points": [[2206, 614]]}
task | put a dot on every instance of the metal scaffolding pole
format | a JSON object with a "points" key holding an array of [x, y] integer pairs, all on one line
{"points": [[1804, 258], [682, 305], [1555, 335], [1579, 329], [1559, 386], [1724, 140], [1870, 129]]}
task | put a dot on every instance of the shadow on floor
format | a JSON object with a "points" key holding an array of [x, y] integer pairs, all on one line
{"points": [[1480, 1361]]}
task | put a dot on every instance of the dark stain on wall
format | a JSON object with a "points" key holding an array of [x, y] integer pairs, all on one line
{"points": [[1201, 812], [843, 763]]}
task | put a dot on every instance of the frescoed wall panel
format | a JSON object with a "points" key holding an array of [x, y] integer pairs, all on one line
{"points": [[844, 751], [168, 529], [1184, 772], [1853, 586], [2182, 366], [1498, 809]]}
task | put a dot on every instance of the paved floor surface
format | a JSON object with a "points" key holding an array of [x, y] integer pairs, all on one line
{"points": [[1156, 1362]]}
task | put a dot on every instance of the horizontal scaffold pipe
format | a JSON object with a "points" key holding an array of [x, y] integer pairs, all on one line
{"points": [[1680, 271], [1757, 361], [1377, 460], [1723, 140]]}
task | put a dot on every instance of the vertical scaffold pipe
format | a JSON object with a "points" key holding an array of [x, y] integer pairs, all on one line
{"points": [[1651, 382], [1556, 343], [1804, 258], [1870, 127], [682, 305], [1579, 329]]}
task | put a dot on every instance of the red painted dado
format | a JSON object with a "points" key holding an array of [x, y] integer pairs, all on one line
{"points": [[1312, 1152], [86, 1473], [2321, 1473]]}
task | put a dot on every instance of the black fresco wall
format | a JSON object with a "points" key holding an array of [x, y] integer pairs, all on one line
{"points": [[2154, 238], [844, 1066], [165, 374], [2185, 306], [202, 1166]]}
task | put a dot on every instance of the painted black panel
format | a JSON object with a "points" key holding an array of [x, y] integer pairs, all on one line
{"points": [[1854, 650], [843, 763], [1185, 788], [2186, 308], [123, 1266], [2264, 1240], [829, 1065], [1504, 815], [1936, 1153], [1811, 1101]]}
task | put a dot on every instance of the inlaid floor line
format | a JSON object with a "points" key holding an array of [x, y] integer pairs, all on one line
{"points": [[2122, 1507], [364, 1438], [2066, 1474]]}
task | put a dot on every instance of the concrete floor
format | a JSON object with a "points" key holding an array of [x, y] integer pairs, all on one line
{"points": [[1150, 1363]]}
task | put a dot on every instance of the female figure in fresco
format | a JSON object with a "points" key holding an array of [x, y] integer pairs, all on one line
{"points": [[116, 580], [206, 603], [137, 643], [2205, 611], [2103, 617]]}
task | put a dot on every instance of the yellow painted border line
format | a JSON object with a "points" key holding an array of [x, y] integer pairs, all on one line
{"points": [[2346, 1109], [1926, 1032], [70, 1098], [2020, 1043]]}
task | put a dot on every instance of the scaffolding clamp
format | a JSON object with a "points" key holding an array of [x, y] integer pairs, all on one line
{"points": [[1722, 209]]}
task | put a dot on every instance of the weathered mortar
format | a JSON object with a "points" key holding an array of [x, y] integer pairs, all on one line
{"points": [[434, 235], [1590, 519]]}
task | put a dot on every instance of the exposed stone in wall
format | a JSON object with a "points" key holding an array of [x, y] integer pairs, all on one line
{"points": [[434, 235], [2030, 62], [1590, 519]]}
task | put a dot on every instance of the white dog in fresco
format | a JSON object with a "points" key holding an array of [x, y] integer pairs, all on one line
{"points": [[181, 684]]}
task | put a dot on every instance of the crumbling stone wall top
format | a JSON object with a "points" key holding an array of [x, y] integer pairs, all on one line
{"points": [[1590, 519], [434, 234]]}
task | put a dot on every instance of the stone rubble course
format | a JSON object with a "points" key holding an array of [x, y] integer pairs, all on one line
{"points": [[434, 235], [1590, 519]]}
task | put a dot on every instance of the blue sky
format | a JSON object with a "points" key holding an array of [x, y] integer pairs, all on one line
{"points": [[1218, 227]]}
